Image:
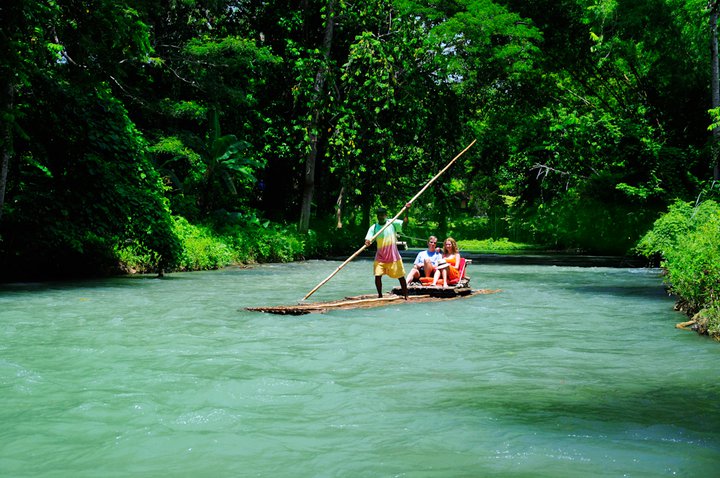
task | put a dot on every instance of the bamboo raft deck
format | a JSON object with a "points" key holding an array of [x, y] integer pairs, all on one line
{"points": [[416, 294], [415, 288]]}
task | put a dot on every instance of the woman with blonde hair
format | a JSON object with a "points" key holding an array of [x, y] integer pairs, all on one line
{"points": [[449, 264]]}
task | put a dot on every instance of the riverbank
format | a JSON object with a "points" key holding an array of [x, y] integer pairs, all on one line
{"points": [[549, 258]]}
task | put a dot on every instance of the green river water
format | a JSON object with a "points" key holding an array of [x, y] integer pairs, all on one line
{"points": [[567, 372]]}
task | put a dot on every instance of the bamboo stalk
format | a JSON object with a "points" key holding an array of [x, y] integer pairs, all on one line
{"points": [[388, 223]]}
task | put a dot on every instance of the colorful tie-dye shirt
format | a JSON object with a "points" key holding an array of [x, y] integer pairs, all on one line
{"points": [[387, 250]]}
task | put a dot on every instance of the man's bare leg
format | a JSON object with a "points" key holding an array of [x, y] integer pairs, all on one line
{"points": [[403, 286], [378, 285]]}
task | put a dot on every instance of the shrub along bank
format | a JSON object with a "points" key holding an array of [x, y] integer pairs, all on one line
{"points": [[234, 239], [686, 240], [212, 246]]}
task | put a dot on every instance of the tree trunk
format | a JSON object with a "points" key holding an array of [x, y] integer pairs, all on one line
{"points": [[10, 20], [338, 208], [715, 85], [309, 183], [6, 141]]}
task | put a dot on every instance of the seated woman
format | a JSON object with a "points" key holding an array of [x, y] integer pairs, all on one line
{"points": [[448, 265]]}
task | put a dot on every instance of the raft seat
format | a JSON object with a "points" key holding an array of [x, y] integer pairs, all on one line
{"points": [[461, 271]]}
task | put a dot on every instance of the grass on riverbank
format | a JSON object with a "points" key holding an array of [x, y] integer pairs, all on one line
{"points": [[496, 246]]}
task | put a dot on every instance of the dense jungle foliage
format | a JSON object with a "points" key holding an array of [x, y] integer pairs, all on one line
{"points": [[183, 134], [687, 239]]}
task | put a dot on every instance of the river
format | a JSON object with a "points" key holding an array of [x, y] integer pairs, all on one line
{"points": [[567, 372]]}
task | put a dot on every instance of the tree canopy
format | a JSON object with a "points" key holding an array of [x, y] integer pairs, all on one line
{"points": [[590, 118]]}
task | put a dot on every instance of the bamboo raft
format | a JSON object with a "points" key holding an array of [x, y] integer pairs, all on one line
{"points": [[416, 294]]}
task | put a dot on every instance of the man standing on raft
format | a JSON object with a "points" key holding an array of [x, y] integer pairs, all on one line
{"points": [[387, 258]]}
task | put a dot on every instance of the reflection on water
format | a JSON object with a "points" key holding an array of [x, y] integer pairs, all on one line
{"points": [[566, 372]]}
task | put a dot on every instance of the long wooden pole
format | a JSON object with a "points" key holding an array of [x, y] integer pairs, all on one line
{"points": [[388, 223]]}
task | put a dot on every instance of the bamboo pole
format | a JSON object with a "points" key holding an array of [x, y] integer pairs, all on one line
{"points": [[388, 223]]}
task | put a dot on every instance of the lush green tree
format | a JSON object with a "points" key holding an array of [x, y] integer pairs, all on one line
{"points": [[214, 170], [415, 83], [209, 67], [81, 183], [26, 43], [616, 125]]}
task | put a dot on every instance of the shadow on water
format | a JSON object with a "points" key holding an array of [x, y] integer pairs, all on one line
{"points": [[691, 408], [120, 281], [648, 292]]}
